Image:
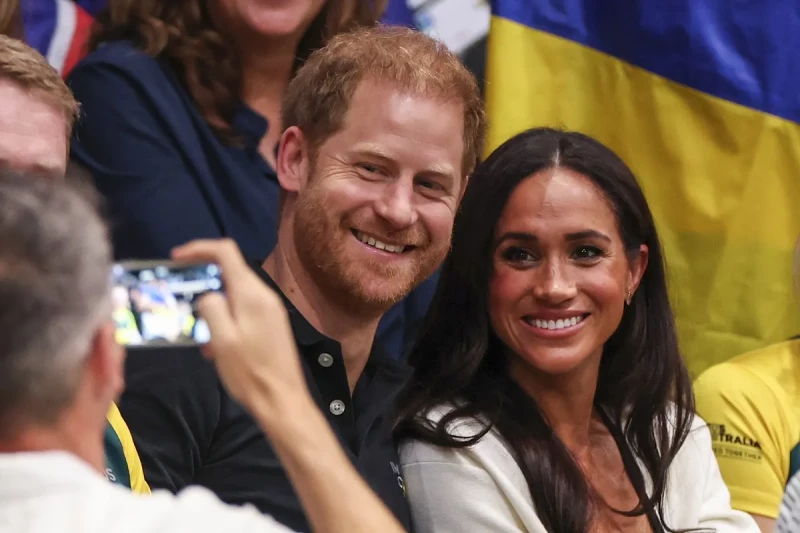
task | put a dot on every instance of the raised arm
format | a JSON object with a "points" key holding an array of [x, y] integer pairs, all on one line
{"points": [[254, 352]]}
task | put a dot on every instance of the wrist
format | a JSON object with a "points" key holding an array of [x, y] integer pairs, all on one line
{"points": [[284, 411]]}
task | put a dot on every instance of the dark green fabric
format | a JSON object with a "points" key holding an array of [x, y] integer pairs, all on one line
{"points": [[116, 465]]}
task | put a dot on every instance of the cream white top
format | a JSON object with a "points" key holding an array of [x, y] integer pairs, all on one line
{"points": [[480, 489]]}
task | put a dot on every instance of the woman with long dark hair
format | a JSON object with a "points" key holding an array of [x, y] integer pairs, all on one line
{"points": [[549, 392]]}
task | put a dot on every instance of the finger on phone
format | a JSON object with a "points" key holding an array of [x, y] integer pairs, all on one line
{"points": [[214, 309]]}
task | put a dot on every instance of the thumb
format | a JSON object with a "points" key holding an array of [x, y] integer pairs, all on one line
{"points": [[213, 308]]}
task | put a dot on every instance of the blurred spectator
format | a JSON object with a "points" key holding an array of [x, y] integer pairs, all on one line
{"points": [[752, 404], [35, 124], [127, 332], [37, 113], [185, 147]]}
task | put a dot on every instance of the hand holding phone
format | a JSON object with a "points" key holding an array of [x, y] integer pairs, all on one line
{"points": [[252, 343]]}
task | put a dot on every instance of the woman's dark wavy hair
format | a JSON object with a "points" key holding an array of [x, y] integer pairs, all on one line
{"points": [[182, 33], [644, 389]]}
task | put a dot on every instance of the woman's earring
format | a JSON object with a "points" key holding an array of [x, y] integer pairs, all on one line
{"points": [[628, 298]]}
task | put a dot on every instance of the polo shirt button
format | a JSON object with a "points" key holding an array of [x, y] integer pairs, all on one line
{"points": [[325, 359], [337, 407]]}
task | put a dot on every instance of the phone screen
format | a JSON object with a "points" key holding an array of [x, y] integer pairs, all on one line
{"points": [[154, 302]]}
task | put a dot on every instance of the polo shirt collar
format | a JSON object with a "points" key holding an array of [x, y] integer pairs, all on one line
{"points": [[307, 336]]}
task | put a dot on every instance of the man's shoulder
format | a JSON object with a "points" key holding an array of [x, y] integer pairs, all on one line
{"points": [[759, 381], [767, 362]]}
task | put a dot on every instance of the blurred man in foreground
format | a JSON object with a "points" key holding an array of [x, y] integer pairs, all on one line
{"points": [[60, 369]]}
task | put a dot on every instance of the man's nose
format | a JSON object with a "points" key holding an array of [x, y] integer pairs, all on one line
{"points": [[396, 204]]}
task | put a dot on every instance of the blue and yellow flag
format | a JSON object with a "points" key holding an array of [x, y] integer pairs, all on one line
{"points": [[702, 99]]}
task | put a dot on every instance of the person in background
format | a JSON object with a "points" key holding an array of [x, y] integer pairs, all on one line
{"points": [[37, 114], [556, 398], [60, 29], [60, 369], [181, 119], [36, 120], [127, 331], [752, 404], [382, 127]]}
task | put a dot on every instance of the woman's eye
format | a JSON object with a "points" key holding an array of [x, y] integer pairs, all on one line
{"points": [[517, 255], [587, 252]]}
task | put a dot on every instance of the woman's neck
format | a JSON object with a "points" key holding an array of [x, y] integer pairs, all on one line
{"points": [[566, 401], [266, 71]]}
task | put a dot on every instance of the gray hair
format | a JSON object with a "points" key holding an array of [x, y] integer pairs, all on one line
{"points": [[55, 261]]}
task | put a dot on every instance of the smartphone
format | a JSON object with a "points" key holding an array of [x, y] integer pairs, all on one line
{"points": [[154, 302]]}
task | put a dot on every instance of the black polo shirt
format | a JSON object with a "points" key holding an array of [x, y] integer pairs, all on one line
{"points": [[188, 430]]}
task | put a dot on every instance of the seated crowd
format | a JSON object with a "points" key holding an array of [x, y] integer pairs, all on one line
{"points": [[410, 338]]}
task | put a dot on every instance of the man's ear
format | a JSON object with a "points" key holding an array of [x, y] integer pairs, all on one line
{"points": [[293, 160], [106, 363]]}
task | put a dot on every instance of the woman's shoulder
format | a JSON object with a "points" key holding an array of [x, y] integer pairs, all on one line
{"points": [[121, 62], [124, 55], [141, 85], [485, 443]]}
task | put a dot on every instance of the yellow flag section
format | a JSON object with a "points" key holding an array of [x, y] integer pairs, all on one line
{"points": [[722, 178]]}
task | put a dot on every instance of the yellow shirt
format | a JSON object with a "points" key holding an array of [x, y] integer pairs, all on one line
{"points": [[752, 405], [123, 465]]}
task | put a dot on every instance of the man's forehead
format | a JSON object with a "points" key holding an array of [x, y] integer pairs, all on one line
{"points": [[31, 150]]}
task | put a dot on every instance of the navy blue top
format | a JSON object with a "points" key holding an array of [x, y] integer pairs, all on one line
{"points": [[167, 178]]}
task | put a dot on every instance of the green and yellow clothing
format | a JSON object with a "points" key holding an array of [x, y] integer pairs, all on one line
{"points": [[122, 460]]}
